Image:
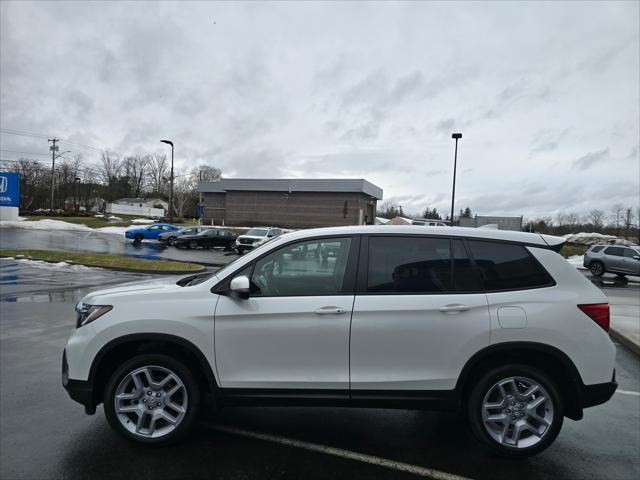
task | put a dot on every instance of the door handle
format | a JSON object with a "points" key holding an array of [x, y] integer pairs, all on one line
{"points": [[454, 308], [329, 311]]}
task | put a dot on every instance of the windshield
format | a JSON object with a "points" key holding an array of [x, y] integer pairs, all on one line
{"points": [[257, 232]]}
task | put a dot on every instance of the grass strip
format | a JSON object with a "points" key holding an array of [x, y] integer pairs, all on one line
{"points": [[103, 260]]}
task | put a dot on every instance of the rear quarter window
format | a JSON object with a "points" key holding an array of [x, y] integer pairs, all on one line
{"points": [[505, 266], [597, 249]]}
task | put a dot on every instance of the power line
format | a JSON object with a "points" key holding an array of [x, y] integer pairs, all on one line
{"points": [[24, 153]]}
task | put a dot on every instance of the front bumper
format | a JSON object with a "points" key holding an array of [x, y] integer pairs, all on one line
{"points": [[79, 390]]}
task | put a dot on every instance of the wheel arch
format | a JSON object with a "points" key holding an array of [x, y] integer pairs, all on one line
{"points": [[111, 355], [549, 359]]}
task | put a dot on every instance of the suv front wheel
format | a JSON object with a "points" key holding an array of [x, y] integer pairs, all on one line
{"points": [[152, 399], [515, 410], [596, 269]]}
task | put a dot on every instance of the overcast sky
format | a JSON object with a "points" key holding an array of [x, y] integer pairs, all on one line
{"points": [[547, 95]]}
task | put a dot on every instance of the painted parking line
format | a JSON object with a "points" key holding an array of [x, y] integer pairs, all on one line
{"points": [[628, 392], [339, 452]]}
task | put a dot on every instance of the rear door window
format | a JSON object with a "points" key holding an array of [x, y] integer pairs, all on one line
{"points": [[506, 266], [615, 251], [404, 265]]}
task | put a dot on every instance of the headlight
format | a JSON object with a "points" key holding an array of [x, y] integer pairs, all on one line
{"points": [[89, 313]]}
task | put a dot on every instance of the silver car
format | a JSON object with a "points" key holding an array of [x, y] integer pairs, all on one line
{"points": [[614, 259]]}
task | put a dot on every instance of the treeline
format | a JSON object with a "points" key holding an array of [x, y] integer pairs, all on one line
{"points": [[620, 220], [82, 186], [390, 209]]}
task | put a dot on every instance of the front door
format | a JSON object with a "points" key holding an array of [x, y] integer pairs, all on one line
{"points": [[293, 331], [416, 318]]}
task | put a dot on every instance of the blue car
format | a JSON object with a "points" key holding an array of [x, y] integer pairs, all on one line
{"points": [[149, 232]]}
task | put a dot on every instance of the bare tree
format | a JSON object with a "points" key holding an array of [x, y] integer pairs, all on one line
{"points": [[135, 170], [109, 171], [184, 189], [389, 209], [157, 170], [207, 173], [596, 218], [616, 216]]}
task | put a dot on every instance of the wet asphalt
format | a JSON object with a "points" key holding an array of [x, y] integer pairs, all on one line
{"points": [[45, 435], [72, 241]]}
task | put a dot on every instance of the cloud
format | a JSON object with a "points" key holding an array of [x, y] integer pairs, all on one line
{"points": [[341, 90], [590, 159]]}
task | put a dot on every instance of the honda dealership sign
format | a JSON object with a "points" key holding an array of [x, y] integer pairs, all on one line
{"points": [[9, 189]]}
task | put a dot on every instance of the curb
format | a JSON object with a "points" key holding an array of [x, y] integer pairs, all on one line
{"points": [[626, 341], [117, 269]]}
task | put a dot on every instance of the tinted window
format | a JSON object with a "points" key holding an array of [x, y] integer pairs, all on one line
{"points": [[630, 253], [409, 265], [597, 249], [464, 276], [617, 251], [315, 267], [505, 266]]}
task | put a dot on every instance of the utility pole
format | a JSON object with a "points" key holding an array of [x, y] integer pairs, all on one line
{"points": [[169, 142], [456, 137], [54, 149]]}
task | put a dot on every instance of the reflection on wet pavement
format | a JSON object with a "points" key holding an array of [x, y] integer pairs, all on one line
{"points": [[72, 241], [29, 281]]}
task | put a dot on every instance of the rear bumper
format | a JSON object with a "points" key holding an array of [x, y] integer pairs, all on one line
{"points": [[599, 393]]}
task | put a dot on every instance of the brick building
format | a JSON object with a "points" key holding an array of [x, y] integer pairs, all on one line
{"points": [[289, 203]]}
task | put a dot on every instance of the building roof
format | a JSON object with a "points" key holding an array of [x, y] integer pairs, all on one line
{"points": [[350, 185], [138, 200]]}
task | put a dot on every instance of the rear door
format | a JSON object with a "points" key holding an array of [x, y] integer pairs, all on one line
{"points": [[418, 314], [615, 259]]}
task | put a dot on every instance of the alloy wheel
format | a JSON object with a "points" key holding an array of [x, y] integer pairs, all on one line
{"points": [[517, 412], [151, 401], [597, 269]]}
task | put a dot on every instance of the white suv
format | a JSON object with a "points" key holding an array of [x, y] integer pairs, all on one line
{"points": [[256, 237], [493, 323]]}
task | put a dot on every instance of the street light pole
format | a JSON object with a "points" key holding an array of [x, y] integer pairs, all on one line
{"points": [[169, 142], [456, 137]]}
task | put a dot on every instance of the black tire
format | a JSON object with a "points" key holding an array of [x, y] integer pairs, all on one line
{"points": [[475, 409], [171, 241], [178, 368], [138, 238], [597, 269], [193, 244]]}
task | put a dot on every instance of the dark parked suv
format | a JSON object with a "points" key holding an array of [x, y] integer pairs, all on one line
{"points": [[614, 259]]}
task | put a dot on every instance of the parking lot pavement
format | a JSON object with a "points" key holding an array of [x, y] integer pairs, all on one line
{"points": [[44, 434], [108, 243]]}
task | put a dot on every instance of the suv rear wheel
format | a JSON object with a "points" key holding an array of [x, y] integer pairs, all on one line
{"points": [[515, 411], [152, 399]]}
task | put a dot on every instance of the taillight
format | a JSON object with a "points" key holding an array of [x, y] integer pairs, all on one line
{"points": [[599, 313]]}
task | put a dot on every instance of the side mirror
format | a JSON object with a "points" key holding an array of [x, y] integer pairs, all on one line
{"points": [[239, 287], [637, 257]]}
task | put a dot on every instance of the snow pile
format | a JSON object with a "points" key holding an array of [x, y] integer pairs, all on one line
{"points": [[48, 265], [99, 215], [111, 230], [142, 221], [576, 260], [593, 238], [113, 218], [49, 224]]}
